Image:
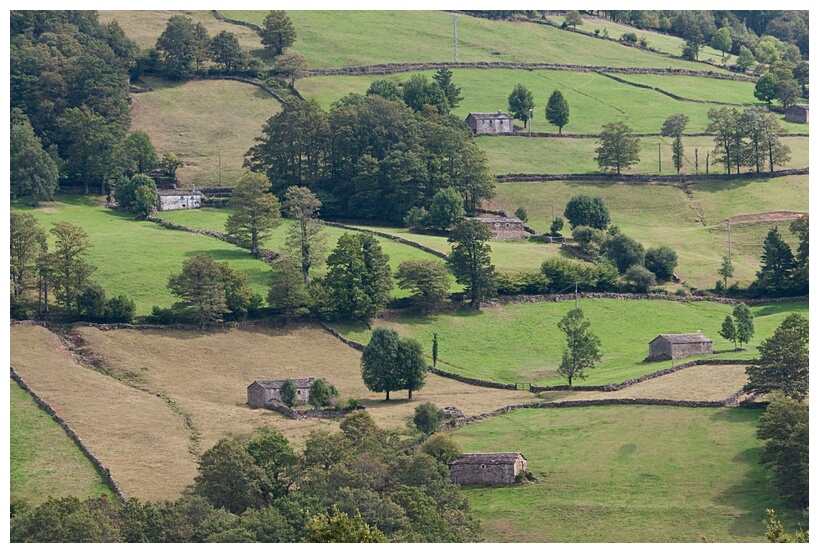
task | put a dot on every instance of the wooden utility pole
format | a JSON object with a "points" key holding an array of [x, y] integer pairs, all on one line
{"points": [[455, 35], [707, 157], [729, 241], [696, 161], [659, 160]]}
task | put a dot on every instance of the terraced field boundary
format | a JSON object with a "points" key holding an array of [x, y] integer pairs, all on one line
{"points": [[669, 94], [392, 237], [538, 298], [385, 68], [101, 469], [535, 177]]}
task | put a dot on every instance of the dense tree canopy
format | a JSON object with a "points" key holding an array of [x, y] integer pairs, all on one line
{"points": [[581, 352], [557, 111], [583, 210], [200, 286], [521, 104], [256, 212], [617, 150], [785, 427], [33, 172], [783, 360], [470, 260], [278, 32]]}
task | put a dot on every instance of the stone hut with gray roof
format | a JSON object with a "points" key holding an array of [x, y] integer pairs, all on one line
{"points": [[262, 392], [171, 200], [487, 469], [503, 228], [798, 113], [677, 346], [490, 123]]}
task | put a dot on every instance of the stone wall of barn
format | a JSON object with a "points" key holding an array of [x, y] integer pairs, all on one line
{"points": [[660, 350], [483, 474], [258, 396], [182, 201]]}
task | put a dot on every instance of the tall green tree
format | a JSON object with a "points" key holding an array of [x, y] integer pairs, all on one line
{"points": [[581, 352], [200, 286], [470, 260], [729, 330], [583, 210], [305, 241], [291, 66], [801, 271], [453, 93], [744, 323], [93, 154], [287, 393], [138, 194], [557, 111], [418, 92], [179, 47], [256, 212], [240, 299], [229, 477], [338, 527], [521, 104], [726, 270], [674, 126], [446, 209], [745, 59], [379, 368], [33, 172], [661, 261], [140, 153], [721, 40], [777, 264], [288, 294], [617, 150], [624, 252], [69, 270], [765, 89], [411, 365], [573, 19], [428, 418], [427, 280], [785, 427], [783, 361], [225, 51], [725, 126], [319, 395], [278, 32], [26, 238]]}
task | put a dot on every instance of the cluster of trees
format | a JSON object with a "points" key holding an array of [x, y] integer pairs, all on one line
{"points": [[747, 139], [363, 484], [390, 363], [522, 104], [320, 395], [137, 194], [371, 157], [782, 273], [784, 82], [441, 93], [63, 271], [739, 327], [589, 219]]}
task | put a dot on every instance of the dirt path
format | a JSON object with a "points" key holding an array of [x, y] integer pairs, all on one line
{"points": [[769, 216]]}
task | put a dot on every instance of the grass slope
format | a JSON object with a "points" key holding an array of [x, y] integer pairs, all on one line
{"points": [[351, 38], [136, 257], [627, 474], [688, 219], [521, 342], [593, 98], [206, 123], [43, 460]]}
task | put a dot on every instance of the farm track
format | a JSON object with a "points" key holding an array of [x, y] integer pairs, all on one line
{"points": [[764, 217]]}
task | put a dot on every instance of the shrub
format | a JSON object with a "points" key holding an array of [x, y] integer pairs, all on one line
{"points": [[319, 394], [557, 226], [521, 214], [121, 309], [443, 448], [522, 282], [563, 273], [92, 301], [428, 418], [588, 238], [287, 393], [640, 277], [661, 261], [628, 37], [625, 252], [161, 316], [416, 217]]}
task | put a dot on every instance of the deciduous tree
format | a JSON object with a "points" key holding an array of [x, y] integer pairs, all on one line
{"points": [[33, 172], [581, 352], [624, 252], [744, 323], [726, 270], [288, 294], [140, 153], [305, 241], [470, 259], [411, 365], [785, 427], [446, 209], [229, 477], [428, 280], [178, 47], [721, 40], [225, 51], [617, 150], [729, 330], [287, 393], [278, 32], [674, 127], [427, 418], [661, 261], [68, 269], [200, 286], [521, 104], [256, 212], [27, 239], [765, 89], [783, 360], [557, 111], [379, 368]]}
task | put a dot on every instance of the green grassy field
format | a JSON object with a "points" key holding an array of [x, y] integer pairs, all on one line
{"points": [[351, 38], [667, 44], [627, 474], [593, 99], [43, 460], [136, 257], [206, 123], [685, 219], [521, 342], [519, 154]]}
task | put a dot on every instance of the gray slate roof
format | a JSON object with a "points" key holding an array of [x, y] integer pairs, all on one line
{"points": [[496, 219], [495, 115], [684, 338], [504, 458], [174, 192], [299, 382]]}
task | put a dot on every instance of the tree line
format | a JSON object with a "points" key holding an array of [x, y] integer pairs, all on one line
{"points": [[362, 484]]}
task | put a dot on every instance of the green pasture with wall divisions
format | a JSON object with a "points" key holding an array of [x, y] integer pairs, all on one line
{"points": [[628, 474], [522, 343], [689, 218], [44, 462], [136, 258], [593, 99], [352, 38]]}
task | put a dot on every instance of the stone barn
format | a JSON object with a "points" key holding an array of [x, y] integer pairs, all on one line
{"points": [[170, 200], [490, 123], [487, 469], [261, 392], [503, 228], [677, 346], [797, 113]]}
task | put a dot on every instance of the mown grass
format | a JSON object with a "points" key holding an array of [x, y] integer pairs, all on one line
{"points": [[520, 154], [521, 342], [206, 123], [43, 460], [350, 38], [627, 474], [686, 219], [593, 99], [136, 258]]}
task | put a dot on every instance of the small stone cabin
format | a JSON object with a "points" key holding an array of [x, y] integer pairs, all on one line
{"points": [[170, 200], [797, 113], [261, 392], [490, 123], [677, 346], [503, 228], [487, 469]]}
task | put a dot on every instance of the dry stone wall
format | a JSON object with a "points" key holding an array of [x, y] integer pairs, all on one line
{"points": [[393, 237], [538, 298], [541, 177], [303, 414]]}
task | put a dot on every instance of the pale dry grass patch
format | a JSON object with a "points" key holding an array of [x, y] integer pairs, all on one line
{"points": [[136, 435]]}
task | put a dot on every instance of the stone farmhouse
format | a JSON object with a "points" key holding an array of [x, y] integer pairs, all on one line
{"points": [[503, 228], [490, 123], [487, 469], [797, 113], [170, 200], [261, 392], [677, 346]]}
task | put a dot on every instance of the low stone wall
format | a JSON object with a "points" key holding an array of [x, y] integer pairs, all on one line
{"points": [[384, 68], [102, 469], [59, 327], [303, 414], [538, 298], [390, 237], [268, 256], [244, 80], [221, 17], [542, 177], [665, 92], [472, 381], [334, 332]]}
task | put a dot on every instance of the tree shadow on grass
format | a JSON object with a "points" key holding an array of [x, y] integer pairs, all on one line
{"points": [[777, 309]]}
